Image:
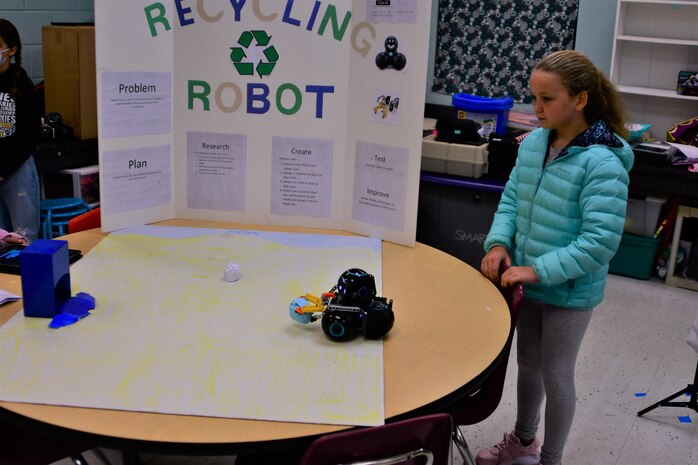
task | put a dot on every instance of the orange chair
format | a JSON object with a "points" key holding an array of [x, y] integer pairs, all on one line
{"points": [[480, 404], [88, 220]]}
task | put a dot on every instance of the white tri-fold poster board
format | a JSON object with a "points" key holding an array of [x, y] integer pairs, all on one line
{"points": [[288, 112]]}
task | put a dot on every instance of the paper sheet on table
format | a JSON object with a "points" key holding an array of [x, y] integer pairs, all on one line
{"points": [[170, 335], [7, 297], [689, 150]]}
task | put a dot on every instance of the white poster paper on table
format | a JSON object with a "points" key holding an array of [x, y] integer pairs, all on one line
{"points": [[136, 178], [380, 184], [171, 335], [216, 171], [301, 180], [136, 103]]}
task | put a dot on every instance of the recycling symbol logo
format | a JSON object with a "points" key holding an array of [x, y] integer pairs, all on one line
{"points": [[247, 54]]}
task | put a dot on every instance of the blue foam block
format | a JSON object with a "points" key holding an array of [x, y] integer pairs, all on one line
{"points": [[45, 271]]}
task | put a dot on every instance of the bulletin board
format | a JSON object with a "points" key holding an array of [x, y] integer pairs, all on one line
{"points": [[288, 112]]}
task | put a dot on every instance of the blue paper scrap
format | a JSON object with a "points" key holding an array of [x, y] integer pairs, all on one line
{"points": [[640, 394], [685, 419], [62, 319], [75, 308], [84, 296]]}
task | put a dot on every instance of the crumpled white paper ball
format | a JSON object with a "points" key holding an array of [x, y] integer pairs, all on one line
{"points": [[231, 272]]}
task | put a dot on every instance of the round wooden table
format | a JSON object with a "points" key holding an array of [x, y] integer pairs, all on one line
{"points": [[452, 325]]}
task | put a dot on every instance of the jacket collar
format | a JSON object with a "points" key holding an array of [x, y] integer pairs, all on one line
{"points": [[598, 133]]}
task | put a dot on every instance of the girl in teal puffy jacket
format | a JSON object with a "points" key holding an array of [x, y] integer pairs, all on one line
{"points": [[559, 223]]}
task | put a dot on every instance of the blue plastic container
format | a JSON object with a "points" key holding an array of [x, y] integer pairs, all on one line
{"points": [[491, 113], [635, 257]]}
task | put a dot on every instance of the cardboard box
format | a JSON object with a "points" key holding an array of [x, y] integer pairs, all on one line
{"points": [[70, 76]]}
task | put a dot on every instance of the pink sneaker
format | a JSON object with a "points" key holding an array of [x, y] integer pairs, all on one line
{"points": [[510, 452]]}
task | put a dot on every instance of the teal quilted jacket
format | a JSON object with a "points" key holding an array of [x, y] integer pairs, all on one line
{"points": [[565, 220]]}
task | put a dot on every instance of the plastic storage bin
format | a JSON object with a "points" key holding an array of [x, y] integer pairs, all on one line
{"points": [[491, 113], [642, 215], [467, 160], [458, 159], [434, 154], [635, 256]]}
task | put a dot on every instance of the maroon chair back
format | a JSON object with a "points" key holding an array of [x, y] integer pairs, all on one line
{"points": [[20, 446], [481, 403], [414, 439]]}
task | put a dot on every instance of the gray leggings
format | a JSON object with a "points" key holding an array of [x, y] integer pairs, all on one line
{"points": [[548, 341]]}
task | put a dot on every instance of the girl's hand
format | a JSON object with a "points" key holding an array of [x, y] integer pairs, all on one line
{"points": [[14, 238], [7, 238], [519, 274], [491, 261]]}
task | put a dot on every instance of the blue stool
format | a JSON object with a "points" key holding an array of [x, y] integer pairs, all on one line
{"points": [[56, 213]]}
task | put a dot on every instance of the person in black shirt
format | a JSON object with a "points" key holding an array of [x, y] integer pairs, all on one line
{"points": [[20, 126]]}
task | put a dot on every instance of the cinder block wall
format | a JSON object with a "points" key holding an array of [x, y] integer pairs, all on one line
{"points": [[29, 15]]}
